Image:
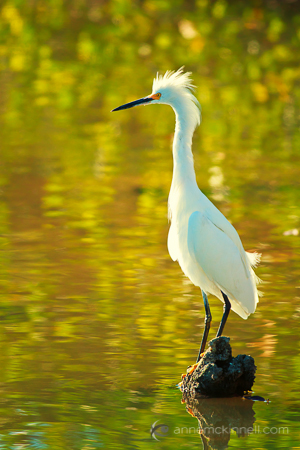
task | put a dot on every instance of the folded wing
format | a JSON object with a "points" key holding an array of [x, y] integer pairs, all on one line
{"points": [[223, 261]]}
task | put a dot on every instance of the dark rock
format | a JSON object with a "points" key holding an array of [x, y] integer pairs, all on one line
{"points": [[218, 373]]}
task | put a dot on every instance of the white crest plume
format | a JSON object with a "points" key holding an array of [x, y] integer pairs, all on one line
{"points": [[178, 79]]}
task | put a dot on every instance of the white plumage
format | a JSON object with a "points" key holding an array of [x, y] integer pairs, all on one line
{"points": [[201, 239]]}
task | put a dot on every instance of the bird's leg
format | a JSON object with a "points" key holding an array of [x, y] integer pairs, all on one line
{"points": [[206, 325], [227, 307]]}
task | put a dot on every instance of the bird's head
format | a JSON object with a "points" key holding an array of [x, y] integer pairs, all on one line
{"points": [[174, 89]]}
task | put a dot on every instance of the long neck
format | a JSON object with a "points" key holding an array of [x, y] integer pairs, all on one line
{"points": [[183, 162]]}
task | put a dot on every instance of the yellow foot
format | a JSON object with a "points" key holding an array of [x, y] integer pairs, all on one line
{"points": [[190, 411], [192, 368]]}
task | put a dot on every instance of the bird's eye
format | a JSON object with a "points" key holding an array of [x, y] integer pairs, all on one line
{"points": [[156, 96]]}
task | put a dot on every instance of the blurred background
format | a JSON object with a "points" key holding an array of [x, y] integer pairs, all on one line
{"points": [[96, 322]]}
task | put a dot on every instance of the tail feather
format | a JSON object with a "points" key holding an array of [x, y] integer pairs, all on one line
{"points": [[253, 258]]}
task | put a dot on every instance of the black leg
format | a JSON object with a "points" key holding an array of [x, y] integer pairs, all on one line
{"points": [[206, 325], [227, 307]]}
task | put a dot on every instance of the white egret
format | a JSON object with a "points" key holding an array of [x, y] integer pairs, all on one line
{"points": [[205, 244]]}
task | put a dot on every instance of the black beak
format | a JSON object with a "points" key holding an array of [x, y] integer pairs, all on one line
{"points": [[141, 101]]}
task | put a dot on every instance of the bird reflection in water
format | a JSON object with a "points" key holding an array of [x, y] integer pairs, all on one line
{"points": [[219, 418]]}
